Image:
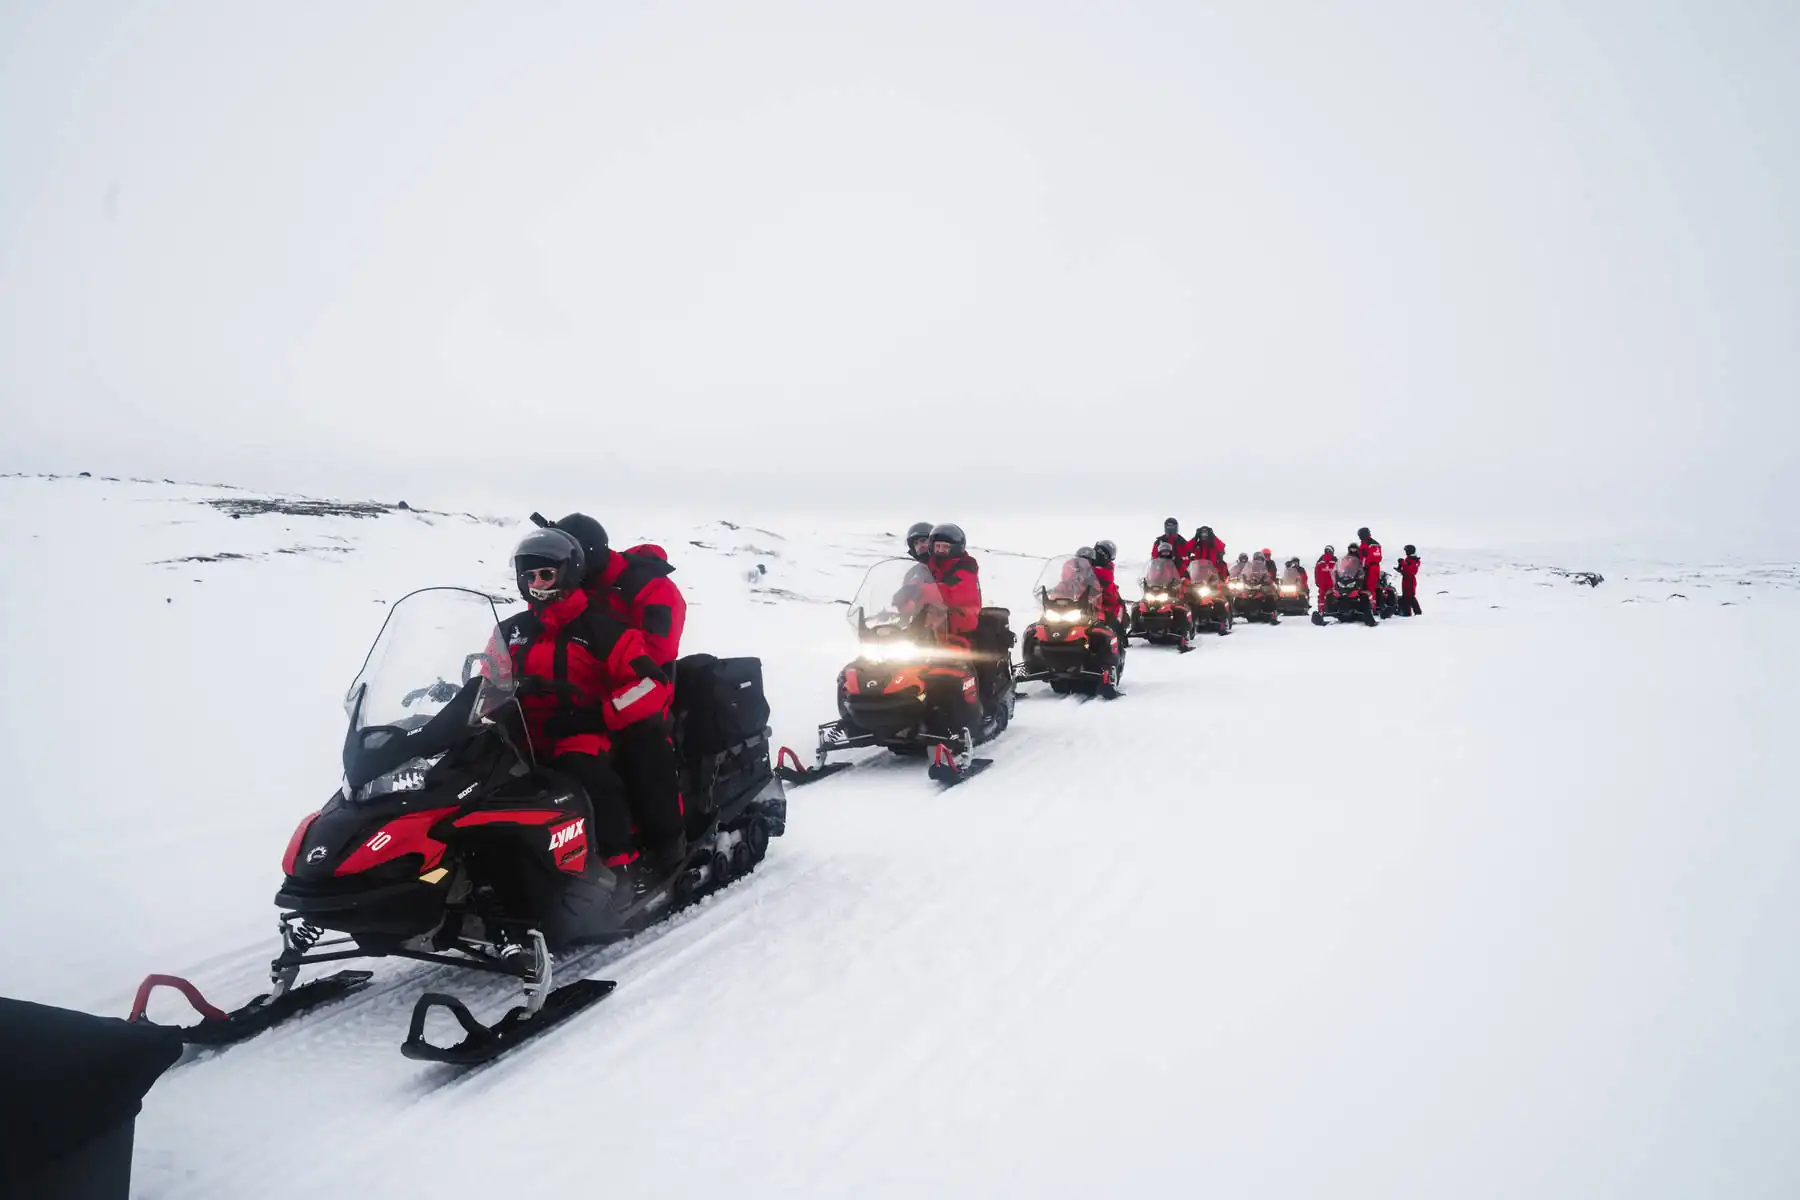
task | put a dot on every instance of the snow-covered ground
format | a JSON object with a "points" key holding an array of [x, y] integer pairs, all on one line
{"points": [[1499, 902]]}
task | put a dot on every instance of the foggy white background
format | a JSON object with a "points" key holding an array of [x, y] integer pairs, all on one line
{"points": [[1522, 266]]}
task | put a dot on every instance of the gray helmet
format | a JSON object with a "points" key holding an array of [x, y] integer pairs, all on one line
{"points": [[919, 531]]}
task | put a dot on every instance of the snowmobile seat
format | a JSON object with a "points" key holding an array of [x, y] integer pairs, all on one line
{"points": [[993, 631]]}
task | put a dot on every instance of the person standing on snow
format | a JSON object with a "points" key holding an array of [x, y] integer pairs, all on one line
{"points": [[1325, 574], [1370, 550], [1171, 536], [584, 676], [1409, 583], [634, 587]]}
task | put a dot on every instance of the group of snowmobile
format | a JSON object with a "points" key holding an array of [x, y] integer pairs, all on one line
{"points": [[453, 840]]}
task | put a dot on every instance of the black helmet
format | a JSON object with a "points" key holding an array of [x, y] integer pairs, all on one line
{"points": [[918, 531], [952, 534], [1364, 534], [1086, 552], [590, 533], [547, 563], [1205, 531], [1410, 549], [1171, 525], [1104, 552]]}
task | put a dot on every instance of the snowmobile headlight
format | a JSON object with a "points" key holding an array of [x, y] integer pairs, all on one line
{"points": [[1063, 616], [407, 777], [874, 652], [1206, 592], [1157, 597], [1237, 585], [1288, 589]]}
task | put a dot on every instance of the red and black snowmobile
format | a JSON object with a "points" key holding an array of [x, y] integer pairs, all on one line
{"points": [[1162, 616], [1348, 599], [1209, 598], [449, 843], [1296, 592], [1071, 646], [914, 687], [1255, 594]]}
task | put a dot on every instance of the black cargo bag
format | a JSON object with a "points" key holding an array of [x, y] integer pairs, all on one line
{"points": [[719, 702]]}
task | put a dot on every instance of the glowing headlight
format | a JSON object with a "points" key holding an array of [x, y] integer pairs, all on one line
{"points": [[1157, 597], [1206, 593], [874, 652], [1288, 589], [1237, 585], [1063, 616]]}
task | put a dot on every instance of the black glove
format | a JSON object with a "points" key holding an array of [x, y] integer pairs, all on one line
{"points": [[574, 722]]}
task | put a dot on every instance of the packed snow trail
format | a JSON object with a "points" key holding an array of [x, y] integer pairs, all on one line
{"points": [[1499, 901]]}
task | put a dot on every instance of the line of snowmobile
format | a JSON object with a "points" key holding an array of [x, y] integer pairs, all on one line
{"points": [[446, 829]]}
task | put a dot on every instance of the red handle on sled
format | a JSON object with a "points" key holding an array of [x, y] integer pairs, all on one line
{"points": [[192, 993], [786, 756]]}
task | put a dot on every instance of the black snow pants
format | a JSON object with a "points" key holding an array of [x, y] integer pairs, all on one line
{"points": [[609, 833], [645, 760], [1409, 605]]}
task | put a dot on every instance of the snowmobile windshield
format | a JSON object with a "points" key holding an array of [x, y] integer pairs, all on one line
{"points": [[438, 647], [1257, 572], [1293, 574], [1161, 575], [899, 598], [1068, 581], [1203, 571]]}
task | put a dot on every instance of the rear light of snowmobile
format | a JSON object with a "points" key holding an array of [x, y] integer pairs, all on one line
{"points": [[293, 847]]}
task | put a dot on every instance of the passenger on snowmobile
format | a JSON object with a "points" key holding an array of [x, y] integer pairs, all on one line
{"points": [[918, 540], [1112, 605], [634, 587], [1171, 536], [1207, 548], [584, 675], [1239, 567], [1409, 583]]}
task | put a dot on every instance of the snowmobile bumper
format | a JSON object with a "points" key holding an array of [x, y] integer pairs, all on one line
{"points": [[220, 1028]]}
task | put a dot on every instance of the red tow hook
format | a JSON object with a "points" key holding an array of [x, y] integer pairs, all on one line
{"points": [[152, 982]]}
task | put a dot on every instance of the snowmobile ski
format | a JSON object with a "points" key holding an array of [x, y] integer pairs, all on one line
{"points": [[219, 1028], [950, 768], [485, 1043], [791, 770]]}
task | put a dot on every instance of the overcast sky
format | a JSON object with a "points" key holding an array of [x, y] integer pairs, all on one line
{"points": [[1400, 258]]}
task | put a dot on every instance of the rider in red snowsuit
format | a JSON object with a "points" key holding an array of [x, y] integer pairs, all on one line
{"points": [[1409, 583], [1112, 605], [958, 579], [1206, 547], [634, 587], [584, 676], [1171, 536]]}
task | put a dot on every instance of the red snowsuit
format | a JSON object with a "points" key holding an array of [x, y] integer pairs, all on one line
{"points": [[1112, 605], [1409, 575], [1213, 553], [635, 588], [1324, 576], [959, 579], [1371, 556], [598, 678], [1184, 549]]}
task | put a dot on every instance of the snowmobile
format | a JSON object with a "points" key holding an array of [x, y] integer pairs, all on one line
{"points": [[1070, 646], [448, 842], [913, 687], [1209, 599], [1387, 600], [1295, 599], [1256, 596], [1162, 617], [1348, 600]]}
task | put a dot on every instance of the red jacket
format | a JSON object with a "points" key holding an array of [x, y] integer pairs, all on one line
{"points": [[959, 579], [600, 674], [1324, 572], [635, 588], [1409, 574], [1184, 549], [1214, 554], [1371, 556], [1112, 605]]}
